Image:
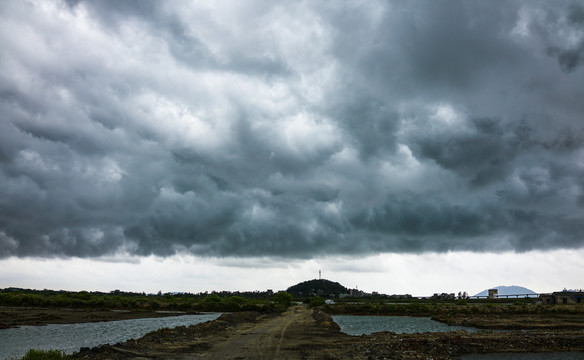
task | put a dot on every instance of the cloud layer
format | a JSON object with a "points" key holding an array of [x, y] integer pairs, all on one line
{"points": [[299, 129]]}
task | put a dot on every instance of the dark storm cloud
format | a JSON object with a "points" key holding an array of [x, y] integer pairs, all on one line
{"points": [[567, 22], [297, 129], [482, 155]]}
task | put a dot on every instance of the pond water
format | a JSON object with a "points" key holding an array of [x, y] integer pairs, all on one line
{"points": [[15, 342], [359, 325]]}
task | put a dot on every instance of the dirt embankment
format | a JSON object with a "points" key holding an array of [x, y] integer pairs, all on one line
{"points": [[515, 321], [301, 333], [17, 316]]}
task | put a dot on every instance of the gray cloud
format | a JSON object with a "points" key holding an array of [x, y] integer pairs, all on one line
{"points": [[565, 35], [290, 130]]}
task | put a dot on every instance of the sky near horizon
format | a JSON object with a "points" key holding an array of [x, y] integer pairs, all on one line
{"points": [[398, 146]]}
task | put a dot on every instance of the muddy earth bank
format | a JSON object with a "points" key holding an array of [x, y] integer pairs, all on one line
{"points": [[18, 316]]}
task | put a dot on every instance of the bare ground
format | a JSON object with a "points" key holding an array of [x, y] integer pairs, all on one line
{"points": [[559, 321], [17, 316]]}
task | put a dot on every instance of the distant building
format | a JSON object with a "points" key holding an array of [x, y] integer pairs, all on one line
{"points": [[443, 296], [399, 296], [493, 293], [562, 297]]}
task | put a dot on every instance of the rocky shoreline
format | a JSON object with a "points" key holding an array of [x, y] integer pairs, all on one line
{"points": [[454, 344]]}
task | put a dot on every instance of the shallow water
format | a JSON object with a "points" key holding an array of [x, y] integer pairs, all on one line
{"points": [[15, 342], [359, 325]]}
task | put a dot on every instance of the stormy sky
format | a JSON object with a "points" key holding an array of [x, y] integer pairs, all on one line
{"points": [[297, 129]]}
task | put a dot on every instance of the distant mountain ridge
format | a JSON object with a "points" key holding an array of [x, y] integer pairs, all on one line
{"points": [[508, 290]]}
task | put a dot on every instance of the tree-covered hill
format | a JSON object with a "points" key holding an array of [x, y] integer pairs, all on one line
{"points": [[317, 287]]}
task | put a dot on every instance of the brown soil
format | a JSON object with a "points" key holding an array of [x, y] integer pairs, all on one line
{"points": [[301, 333], [516, 321], [16, 316]]}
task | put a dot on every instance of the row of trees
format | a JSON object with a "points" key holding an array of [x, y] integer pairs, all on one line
{"points": [[140, 301]]}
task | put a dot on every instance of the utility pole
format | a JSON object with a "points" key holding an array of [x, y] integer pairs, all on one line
{"points": [[319, 278]]}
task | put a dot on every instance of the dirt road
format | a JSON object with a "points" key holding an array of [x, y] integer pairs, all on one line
{"points": [[259, 341]]}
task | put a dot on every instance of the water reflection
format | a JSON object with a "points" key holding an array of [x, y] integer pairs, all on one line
{"points": [[359, 325]]}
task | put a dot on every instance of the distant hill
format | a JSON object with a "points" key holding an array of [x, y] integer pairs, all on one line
{"points": [[508, 290], [317, 287]]}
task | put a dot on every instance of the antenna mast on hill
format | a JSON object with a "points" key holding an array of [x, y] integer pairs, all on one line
{"points": [[319, 278]]}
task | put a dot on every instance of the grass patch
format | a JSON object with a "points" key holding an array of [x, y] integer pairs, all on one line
{"points": [[34, 354], [158, 331]]}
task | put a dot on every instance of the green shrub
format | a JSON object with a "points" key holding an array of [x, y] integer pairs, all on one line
{"points": [[154, 305], [238, 300], [213, 299], [282, 298], [33, 354], [316, 301], [157, 331], [415, 308]]}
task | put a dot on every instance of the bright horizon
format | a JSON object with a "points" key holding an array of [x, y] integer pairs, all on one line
{"points": [[543, 272]]}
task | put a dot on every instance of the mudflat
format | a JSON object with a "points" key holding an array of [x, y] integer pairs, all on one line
{"points": [[302, 333], [17, 316]]}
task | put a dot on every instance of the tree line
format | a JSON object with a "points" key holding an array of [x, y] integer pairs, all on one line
{"points": [[221, 302]]}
